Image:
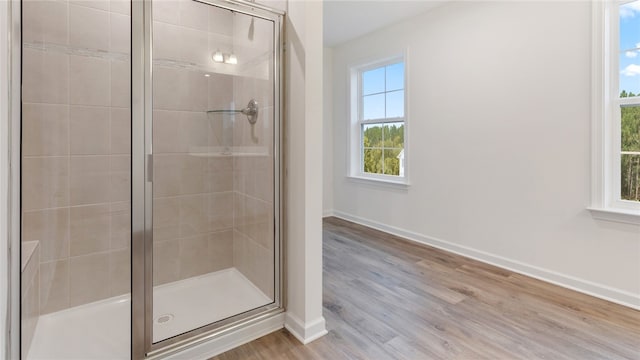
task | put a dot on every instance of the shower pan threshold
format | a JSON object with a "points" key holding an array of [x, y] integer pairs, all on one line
{"points": [[101, 330]]}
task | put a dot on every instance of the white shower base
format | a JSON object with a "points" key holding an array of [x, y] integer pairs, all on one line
{"points": [[101, 330]]}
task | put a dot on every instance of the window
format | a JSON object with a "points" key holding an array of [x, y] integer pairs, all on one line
{"points": [[627, 101], [378, 136], [616, 98]]}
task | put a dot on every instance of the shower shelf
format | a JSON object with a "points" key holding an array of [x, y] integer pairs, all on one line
{"points": [[223, 111], [240, 151]]}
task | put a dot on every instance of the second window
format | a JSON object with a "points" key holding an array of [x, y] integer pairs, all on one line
{"points": [[381, 119]]}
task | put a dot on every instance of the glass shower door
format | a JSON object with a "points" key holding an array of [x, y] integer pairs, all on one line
{"points": [[214, 192]]}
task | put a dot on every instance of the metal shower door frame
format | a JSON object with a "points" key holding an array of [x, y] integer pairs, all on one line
{"points": [[11, 151], [142, 346]]}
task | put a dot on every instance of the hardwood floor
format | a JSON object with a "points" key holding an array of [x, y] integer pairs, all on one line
{"points": [[387, 298]]}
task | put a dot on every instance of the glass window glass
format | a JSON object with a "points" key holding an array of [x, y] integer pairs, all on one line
{"points": [[629, 44], [630, 128], [630, 177], [372, 135], [394, 135], [372, 161], [373, 107], [395, 77], [630, 153], [373, 81], [392, 162], [395, 104]]}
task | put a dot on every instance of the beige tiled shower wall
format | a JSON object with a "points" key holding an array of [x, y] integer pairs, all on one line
{"points": [[193, 196], [76, 148], [30, 296], [213, 173], [253, 241], [253, 237]]}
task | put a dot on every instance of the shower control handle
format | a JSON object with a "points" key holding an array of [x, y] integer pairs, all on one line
{"points": [[251, 111]]}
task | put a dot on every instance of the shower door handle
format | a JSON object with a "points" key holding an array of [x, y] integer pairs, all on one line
{"points": [[149, 167]]}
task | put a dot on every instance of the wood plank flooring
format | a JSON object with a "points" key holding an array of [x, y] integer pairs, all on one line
{"points": [[388, 298]]}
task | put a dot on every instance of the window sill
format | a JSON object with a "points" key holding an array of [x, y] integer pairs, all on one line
{"points": [[396, 184], [617, 215]]}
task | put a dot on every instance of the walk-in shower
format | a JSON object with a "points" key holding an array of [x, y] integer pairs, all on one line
{"points": [[151, 190]]}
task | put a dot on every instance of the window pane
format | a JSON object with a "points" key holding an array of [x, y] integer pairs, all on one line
{"points": [[373, 107], [629, 74], [373, 81], [392, 161], [372, 161], [394, 135], [630, 128], [629, 25], [630, 177], [629, 58], [372, 135], [395, 104], [395, 77]]}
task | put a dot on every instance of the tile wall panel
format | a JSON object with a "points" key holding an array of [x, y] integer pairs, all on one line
{"points": [[76, 146]]}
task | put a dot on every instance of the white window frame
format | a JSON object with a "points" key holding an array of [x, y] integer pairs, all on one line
{"points": [[356, 166], [605, 193]]}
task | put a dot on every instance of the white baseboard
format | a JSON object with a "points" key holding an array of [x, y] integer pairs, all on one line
{"points": [[584, 286], [227, 342], [305, 333]]}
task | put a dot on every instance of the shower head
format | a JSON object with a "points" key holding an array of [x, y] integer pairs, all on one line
{"points": [[251, 28]]}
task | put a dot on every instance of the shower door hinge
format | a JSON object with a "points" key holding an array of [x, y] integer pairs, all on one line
{"points": [[150, 167]]}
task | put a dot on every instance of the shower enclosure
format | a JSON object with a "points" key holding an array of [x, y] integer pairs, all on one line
{"points": [[151, 190]]}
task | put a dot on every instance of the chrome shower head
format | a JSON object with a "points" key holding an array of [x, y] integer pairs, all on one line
{"points": [[251, 29]]}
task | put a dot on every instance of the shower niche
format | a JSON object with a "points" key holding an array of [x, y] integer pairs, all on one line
{"points": [[151, 202]]}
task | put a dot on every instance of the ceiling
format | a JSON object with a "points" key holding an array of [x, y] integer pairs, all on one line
{"points": [[345, 20]]}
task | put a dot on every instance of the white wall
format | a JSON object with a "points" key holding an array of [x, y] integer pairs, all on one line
{"points": [[327, 131], [303, 184], [499, 119]]}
